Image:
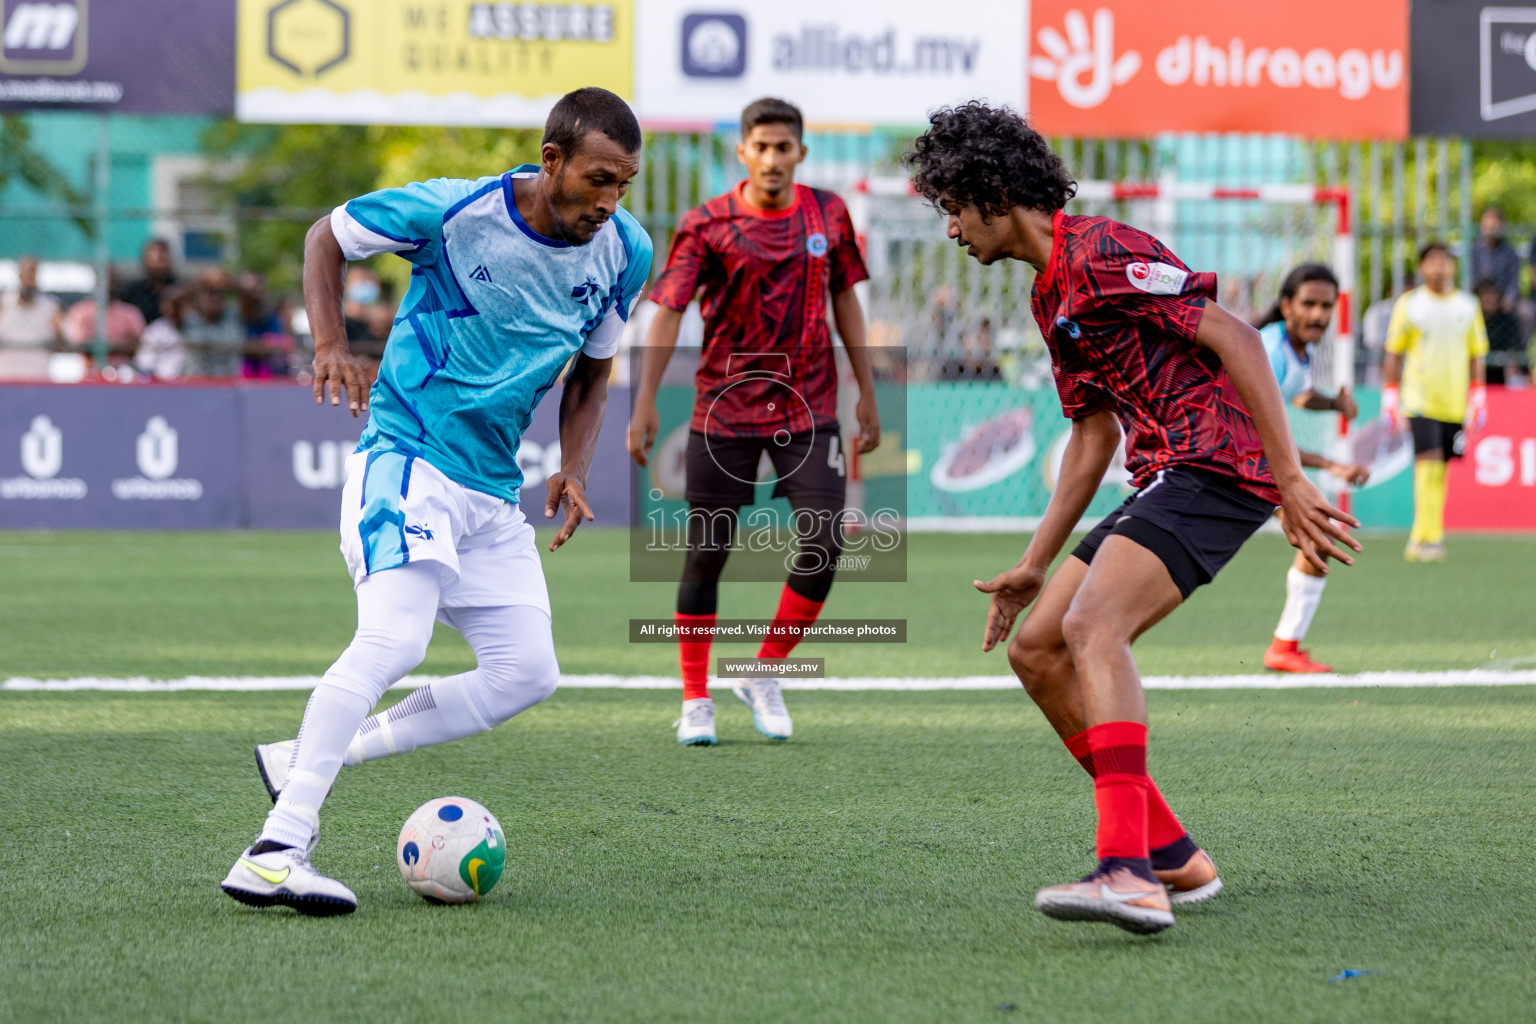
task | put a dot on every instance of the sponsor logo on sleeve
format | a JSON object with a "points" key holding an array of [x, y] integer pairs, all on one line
{"points": [[1156, 278]]}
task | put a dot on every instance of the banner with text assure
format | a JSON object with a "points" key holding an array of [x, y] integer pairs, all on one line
{"points": [[448, 62], [1317, 68], [856, 62]]}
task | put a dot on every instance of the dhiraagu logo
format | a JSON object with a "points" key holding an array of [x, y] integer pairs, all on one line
{"points": [[481, 867]]}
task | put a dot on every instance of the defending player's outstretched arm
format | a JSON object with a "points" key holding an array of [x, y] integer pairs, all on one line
{"points": [[1311, 523], [324, 269], [1090, 449], [581, 416]]}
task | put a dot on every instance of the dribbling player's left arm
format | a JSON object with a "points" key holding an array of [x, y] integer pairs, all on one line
{"points": [[1311, 523], [582, 402], [848, 315]]}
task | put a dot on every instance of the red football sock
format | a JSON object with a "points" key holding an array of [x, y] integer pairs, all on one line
{"points": [[1119, 752], [789, 622], [1163, 825], [693, 652]]}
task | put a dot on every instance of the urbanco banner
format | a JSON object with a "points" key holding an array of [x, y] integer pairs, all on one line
{"points": [[1316, 68], [857, 62], [143, 57], [447, 62]]}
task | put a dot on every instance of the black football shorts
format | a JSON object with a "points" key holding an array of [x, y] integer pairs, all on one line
{"points": [[1194, 521], [723, 470], [1430, 435]]}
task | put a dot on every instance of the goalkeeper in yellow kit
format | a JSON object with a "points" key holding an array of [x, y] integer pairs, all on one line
{"points": [[1433, 375]]}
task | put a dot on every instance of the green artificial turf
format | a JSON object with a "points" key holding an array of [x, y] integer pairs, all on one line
{"points": [[879, 867], [176, 604]]}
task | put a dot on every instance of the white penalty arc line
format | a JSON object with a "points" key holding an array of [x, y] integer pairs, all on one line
{"points": [[1470, 677]]}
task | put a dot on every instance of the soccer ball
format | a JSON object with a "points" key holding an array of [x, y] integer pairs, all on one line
{"points": [[451, 850]]}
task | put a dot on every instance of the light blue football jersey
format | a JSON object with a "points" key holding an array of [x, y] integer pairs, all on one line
{"points": [[1293, 372], [493, 314]]}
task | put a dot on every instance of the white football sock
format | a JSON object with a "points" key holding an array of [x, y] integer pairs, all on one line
{"points": [[395, 612], [516, 669], [1303, 593]]}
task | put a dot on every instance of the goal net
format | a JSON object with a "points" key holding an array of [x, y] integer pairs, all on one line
{"points": [[979, 381]]}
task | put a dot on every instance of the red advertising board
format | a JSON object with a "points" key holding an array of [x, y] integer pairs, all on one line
{"points": [[1317, 68], [1494, 486]]}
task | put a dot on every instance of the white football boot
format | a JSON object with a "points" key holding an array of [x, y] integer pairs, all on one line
{"points": [[768, 711], [272, 762], [697, 726], [286, 878]]}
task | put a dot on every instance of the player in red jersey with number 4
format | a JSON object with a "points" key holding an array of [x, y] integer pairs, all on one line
{"points": [[1136, 344], [763, 258]]}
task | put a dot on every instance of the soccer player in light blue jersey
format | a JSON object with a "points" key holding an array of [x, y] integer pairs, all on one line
{"points": [[511, 276], [1297, 321]]}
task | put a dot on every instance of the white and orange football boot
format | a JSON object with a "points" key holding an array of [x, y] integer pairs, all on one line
{"points": [[1194, 882], [1117, 895]]}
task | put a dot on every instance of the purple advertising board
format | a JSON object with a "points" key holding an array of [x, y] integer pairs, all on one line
{"points": [[144, 56], [216, 457]]}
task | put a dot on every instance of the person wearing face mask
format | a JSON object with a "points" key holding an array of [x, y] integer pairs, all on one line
{"points": [[1298, 320], [29, 326]]}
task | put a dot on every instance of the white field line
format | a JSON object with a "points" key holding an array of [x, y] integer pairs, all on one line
{"points": [[1472, 677]]}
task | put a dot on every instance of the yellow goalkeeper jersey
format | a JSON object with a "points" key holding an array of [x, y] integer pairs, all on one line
{"points": [[1437, 336]]}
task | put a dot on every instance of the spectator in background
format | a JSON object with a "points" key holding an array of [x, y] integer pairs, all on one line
{"points": [[268, 343], [360, 305], [162, 352], [29, 325], [1494, 258], [212, 334], [145, 292], [1506, 342], [124, 324]]}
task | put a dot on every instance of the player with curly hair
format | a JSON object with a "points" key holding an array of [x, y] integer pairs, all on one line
{"points": [[1137, 343]]}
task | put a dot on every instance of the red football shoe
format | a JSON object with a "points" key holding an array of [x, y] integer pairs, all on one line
{"points": [[1285, 656]]}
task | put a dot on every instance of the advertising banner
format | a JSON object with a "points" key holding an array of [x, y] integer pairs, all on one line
{"points": [[450, 62], [1318, 68], [1474, 69], [144, 57], [1494, 486], [267, 457], [857, 62], [119, 459]]}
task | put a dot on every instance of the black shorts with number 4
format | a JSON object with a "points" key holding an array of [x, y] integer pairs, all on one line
{"points": [[724, 470], [1193, 521]]}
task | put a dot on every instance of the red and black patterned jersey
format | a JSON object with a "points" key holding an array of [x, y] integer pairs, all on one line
{"points": [[1119, 313], [765, 276]]}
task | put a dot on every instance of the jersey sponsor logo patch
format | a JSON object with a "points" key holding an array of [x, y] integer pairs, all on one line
{"points": [[816, 244], [481, 274], [1156, 278]]}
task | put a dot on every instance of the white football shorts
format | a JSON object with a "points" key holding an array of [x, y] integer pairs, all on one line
{"points": [[397, 509]]}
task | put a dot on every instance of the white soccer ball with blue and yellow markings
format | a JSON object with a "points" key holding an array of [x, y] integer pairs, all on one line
{"points": [[451, 850]]}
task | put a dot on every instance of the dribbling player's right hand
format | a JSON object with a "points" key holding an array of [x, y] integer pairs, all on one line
{"points": [[644, 424], [339, 371], [1012, 591]]}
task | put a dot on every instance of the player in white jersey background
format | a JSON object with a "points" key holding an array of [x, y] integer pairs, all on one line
{"points": [[512, 276], [1298, 320]]}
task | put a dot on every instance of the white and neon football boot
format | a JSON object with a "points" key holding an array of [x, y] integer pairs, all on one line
{"points": [[766, 700], [286, 878], [272, 762], [697, 726]]}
